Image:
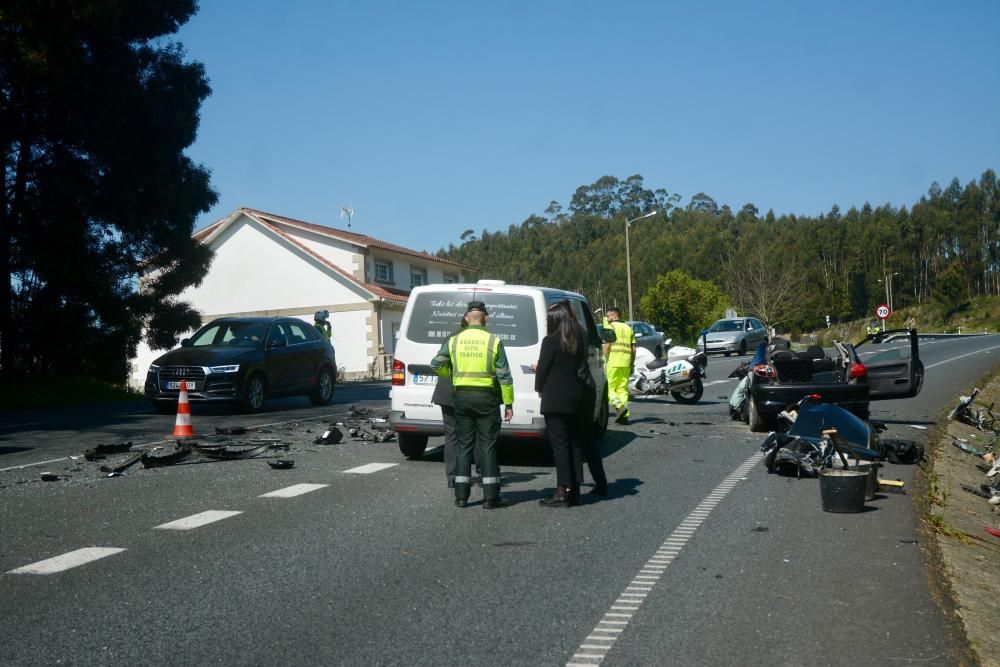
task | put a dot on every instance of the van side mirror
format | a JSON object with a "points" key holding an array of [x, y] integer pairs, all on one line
{"points": [[186, 342], [277, 342]]}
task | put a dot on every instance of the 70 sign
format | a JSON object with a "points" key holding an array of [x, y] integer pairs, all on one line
{"points": [[883, 312]]}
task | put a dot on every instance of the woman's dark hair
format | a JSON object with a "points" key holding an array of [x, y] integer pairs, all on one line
{"points": [[560, 321]]}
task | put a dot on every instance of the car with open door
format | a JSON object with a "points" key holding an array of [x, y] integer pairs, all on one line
{"points": [[851, 376]]}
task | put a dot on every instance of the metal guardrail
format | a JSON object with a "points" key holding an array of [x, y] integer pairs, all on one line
{"points": [[933, 336]]}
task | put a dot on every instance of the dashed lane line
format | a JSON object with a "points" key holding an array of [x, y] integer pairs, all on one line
{"points": [[613, 623], [198, 520], [67, 560], [370, 468], [292, 491]]}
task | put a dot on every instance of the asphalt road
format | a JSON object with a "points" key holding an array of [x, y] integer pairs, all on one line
{"points": [[698, 557]]}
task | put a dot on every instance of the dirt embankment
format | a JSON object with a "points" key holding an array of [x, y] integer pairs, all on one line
{"points": [[964, 557]]}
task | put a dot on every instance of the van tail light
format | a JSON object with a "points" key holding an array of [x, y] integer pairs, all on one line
{"points": [[765, 371], [858, 372], [398, 373]]}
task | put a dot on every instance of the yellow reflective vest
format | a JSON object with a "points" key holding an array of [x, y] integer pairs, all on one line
{"points": [[477, 359], [620, 355]]}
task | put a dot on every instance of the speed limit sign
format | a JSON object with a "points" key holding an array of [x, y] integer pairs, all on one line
{"points": [[883, 312]]}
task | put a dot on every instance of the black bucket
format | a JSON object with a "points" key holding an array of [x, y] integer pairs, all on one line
{"points": [[843, 490], [871, 485]]}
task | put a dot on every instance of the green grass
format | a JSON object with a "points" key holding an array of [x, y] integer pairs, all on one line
{"points": [[55, 392]]}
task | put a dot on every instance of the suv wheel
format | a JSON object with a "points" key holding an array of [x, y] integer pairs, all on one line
{"points": [[254, 393], [412, 445], [322, 393]]}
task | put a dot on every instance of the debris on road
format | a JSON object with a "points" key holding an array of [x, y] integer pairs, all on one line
{"points": [[230, 430], [50, 477], [101, 451], [281, 464], [230, 453], [151, 459], [331, 436], [123, 466]]}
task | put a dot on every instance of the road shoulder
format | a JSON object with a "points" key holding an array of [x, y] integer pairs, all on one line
{"points": [[962, 556]]}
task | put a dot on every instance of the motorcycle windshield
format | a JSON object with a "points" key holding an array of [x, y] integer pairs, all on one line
{"points": [[814, 417]]}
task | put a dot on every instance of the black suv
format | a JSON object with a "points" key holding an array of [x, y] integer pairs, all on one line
{"points": [[245, 360]]}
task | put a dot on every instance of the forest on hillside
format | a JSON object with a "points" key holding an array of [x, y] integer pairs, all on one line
{"points": [[790, 270]]}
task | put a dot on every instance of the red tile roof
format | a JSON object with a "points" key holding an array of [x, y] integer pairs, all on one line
{"points": [[362, 240], [388, 294]]}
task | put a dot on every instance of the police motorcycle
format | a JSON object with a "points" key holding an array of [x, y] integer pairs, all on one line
{"points": [[680, 374]]}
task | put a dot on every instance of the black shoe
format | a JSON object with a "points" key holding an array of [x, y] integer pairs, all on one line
{"points": [[622, 419], [555, 501], [600, 490], [499, 503], [459, 502]]}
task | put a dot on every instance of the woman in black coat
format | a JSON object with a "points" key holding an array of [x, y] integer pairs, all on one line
{"points": [[557, 379]]}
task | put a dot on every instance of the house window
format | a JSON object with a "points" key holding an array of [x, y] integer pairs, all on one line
{"points": [[450, 278], [418, 278], [383, 272]]}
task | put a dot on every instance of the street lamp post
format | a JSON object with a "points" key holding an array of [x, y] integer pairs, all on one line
{"points": [[628, 260]]}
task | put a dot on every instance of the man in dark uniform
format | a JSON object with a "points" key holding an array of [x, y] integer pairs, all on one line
{"points": [[444, 397], [477, 364]]}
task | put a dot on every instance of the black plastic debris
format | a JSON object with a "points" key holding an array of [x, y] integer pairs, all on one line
{"points": [[230, 430], [123, 466], [280, 464], [50, 477], [230, 452], [331, 436], [101, 451], [152, 459]]}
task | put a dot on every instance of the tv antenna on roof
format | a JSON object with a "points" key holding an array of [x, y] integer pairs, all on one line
{"points": [[347, 212]]}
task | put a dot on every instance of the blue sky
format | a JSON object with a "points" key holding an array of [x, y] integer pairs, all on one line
{"points": [[430, 118]]}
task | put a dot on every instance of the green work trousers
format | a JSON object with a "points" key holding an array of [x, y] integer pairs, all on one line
{"points": [[477, 425]]}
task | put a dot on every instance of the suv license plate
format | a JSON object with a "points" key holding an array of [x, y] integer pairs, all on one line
{"points": [[191, 385], [419, 378]]}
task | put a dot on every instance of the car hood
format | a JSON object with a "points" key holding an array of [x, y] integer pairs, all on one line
{"points": [[206, 356], [716, 336]]}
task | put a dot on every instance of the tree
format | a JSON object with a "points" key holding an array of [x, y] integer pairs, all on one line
{"points": [[765, 282], [681, 305], [96, 109]]}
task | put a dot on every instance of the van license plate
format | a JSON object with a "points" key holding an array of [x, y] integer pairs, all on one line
{"points": [[419, 378]]}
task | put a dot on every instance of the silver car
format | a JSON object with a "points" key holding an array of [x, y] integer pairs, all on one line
{"points": [[738, 334]]}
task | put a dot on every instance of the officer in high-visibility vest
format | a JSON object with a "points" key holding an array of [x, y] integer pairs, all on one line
{"points": [[872, 328], [620, 356], [322, 322], [477, 363]]}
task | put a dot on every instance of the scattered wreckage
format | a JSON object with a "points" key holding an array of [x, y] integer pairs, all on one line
{"points": [[778, 377], [982, 419], [360, 425]]}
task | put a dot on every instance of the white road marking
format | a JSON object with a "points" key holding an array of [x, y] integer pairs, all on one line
{"points": [[198, 520], [67, 560], [292, 491], [593, 654], [962, 356], [370, 468]]}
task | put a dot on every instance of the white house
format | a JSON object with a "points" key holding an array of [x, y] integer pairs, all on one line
{"points": [[268, 264]]}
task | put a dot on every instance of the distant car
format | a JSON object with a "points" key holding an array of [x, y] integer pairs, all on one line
{"points": [[245, 360], [780, 377], [648, 337], [737, 334]]}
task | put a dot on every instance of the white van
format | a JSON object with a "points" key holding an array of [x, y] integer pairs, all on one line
{"points": [[517, 315]]}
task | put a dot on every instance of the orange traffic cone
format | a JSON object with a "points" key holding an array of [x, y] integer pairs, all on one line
{"points": [[182, 427]]}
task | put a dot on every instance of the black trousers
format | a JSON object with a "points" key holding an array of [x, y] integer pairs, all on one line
{"points": [[477, 424], [566, 437], [451, 444]]}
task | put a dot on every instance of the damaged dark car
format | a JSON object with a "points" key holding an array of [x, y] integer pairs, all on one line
{"points": [[244, 361], [780, 377]]}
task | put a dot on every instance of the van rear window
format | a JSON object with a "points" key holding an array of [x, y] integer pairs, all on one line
{"points": [[436, 315]]}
